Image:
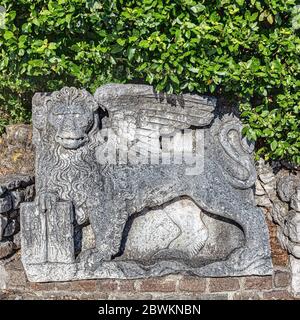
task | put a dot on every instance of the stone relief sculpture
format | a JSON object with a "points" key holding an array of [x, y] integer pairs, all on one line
{"points": [[110, 159]]}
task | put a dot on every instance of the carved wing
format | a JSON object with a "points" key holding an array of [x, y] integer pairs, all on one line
{"points": [[138, 112], [153, 111]]}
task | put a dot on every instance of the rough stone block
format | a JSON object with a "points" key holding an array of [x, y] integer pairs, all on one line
{"points": [[5, 203], [295, 275], [282, 279], [3, 224], [6, 249]]}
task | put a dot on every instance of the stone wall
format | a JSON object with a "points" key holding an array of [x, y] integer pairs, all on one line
{"points": [[17, 157], [278, 193], [14, 189]]}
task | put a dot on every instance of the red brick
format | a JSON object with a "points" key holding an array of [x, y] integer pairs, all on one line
{"points": [[192, 284], [126, 285], [223, 284], [107, 285], [63, 286], [281, 279], [259, 283], [47, 286], [279, 256], [83, 285], [278, 295], [157, 285]]}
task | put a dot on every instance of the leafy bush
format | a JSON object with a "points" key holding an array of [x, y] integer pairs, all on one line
{"points": [[245, 50]]}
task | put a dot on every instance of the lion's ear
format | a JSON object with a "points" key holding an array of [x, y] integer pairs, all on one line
{"points": [[39, 114], [93, 105], [88, 98], [39, 110]]}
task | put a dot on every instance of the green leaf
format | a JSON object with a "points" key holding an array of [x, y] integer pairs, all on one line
{"points": [[270, 19], [121, 42], [131, 52], [8, 35], [274, 145], [198, 8], [144, 44]]}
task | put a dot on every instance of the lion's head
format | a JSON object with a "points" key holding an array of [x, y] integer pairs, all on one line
{"points": [[71, 115]]}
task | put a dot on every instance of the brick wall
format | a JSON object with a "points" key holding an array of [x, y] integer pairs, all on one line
{"points": [[170, 287]]}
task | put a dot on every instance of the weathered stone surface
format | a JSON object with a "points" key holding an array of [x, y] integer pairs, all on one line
{"points": [[16, 181], [19, 134], [263, 201], [108, 177], [282, 205], [13, 190], [279, 211], [6, 248], [10, 228], [291, 227], [16, 150], [281, 279], [295, 272], [259, 190], [267, 177], [287, 244], [295, 200], [286, 187], [56, 228], [5, 203], [3, 277], [3, 224], [177, 229]]}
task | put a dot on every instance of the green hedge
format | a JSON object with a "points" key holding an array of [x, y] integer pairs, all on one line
{"points": [[245, 50]]}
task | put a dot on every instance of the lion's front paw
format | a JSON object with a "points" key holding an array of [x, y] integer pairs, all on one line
{"points": [[93, 258], [46, 201]]}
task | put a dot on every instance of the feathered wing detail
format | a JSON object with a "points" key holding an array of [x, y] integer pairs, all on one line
{"points": [[138, 112]]}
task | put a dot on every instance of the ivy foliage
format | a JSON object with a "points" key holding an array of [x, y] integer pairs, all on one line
{"points": [[246, 50]]}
